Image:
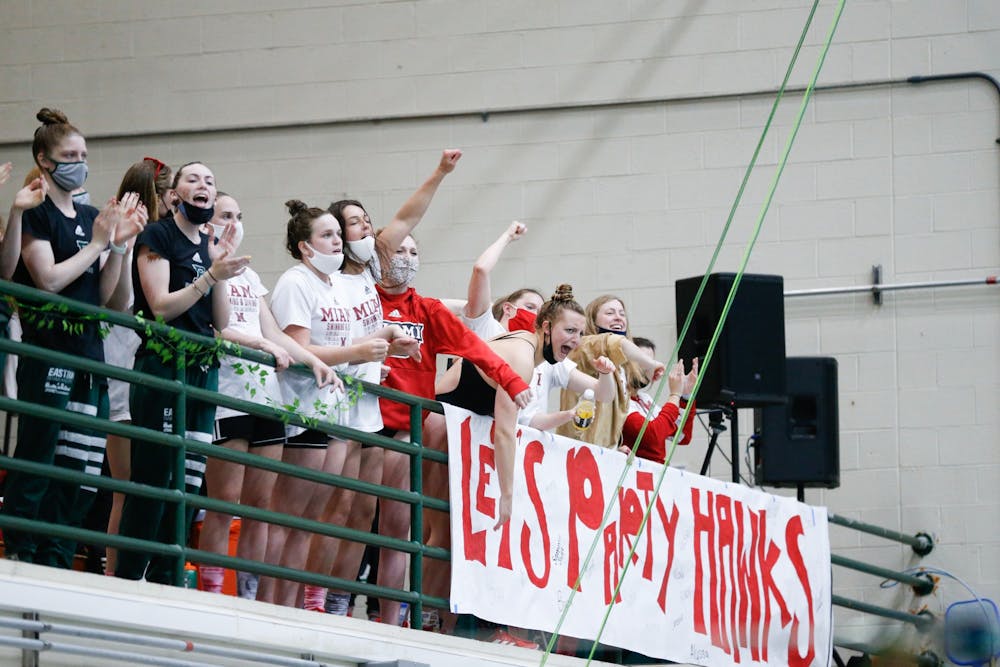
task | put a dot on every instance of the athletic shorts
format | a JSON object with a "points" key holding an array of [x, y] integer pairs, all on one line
{"points": [[259, 432], [309, 439]]}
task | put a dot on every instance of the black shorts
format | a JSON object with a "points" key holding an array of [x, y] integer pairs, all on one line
{"points": [[309, 439], [255, 430], [387, 432]]}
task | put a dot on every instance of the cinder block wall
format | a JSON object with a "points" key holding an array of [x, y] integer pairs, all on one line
{"points": [[323, 99]]}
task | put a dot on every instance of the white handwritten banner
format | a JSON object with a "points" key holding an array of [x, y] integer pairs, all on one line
{"points": [[722, 573]]}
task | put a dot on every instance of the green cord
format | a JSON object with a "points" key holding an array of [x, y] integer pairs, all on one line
{"points": [[732, 292], [687, 323]]}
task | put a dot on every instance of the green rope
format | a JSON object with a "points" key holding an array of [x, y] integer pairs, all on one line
{"points": [[730, 297], [680, 337]]}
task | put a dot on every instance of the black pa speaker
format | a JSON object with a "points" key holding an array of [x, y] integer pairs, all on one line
{"points": [[748, 365], [799, 442]]}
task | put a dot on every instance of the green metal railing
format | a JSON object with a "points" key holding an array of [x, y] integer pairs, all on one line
{"points": [[179, 551], [921, 543]]}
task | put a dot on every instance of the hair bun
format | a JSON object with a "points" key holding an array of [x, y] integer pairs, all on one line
{"points": [[51, 116], [563, 292], [296, 206]]}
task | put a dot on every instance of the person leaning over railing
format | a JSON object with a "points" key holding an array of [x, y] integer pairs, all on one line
{"points": [[62, 243], [439, 332], [179, 276]]}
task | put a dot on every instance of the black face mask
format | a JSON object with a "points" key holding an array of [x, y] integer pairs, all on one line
{"points": [[547, 353], [195, 215], [603, 331]]}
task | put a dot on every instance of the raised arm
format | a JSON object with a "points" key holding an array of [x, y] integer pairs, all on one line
{"points": [[480, 296], [413, 209], [130, 217], [28, 197]]}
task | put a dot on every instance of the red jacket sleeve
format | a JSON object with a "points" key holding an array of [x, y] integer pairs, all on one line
{"points": [[661, 428], [455, 338]]}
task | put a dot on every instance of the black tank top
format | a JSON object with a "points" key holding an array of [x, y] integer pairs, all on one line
{"points": [[472, 392]]}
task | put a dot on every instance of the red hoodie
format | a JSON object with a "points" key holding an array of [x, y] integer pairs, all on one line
{"points": [[660, 430], [439, 332]]}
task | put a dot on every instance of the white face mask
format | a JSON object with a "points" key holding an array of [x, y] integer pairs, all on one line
{"points": [[363, 249], [401, 271], [327, 264], [219, 229]]}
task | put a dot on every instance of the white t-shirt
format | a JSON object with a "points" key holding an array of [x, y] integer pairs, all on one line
{"points": [[359, 293], [485, 326], [545, 378], [245, 293], [302, 299]]}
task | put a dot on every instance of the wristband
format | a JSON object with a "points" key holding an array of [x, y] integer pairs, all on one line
{"points": [[671, 395], [214, 279], [118, 249], [197, 289]]}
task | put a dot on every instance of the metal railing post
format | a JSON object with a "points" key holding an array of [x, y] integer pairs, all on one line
{"points": [[417, 517], [180, 467]]}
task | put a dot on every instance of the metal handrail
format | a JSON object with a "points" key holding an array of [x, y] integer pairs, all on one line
{"points": [[414, 449], [922, 584], [182, 645], [922, 621], [921, 543]]}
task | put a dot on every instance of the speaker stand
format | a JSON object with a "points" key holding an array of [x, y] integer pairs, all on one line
{"points": [[716, 417]]}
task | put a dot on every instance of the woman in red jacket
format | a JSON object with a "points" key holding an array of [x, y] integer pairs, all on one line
{"points": [[439, 332]]}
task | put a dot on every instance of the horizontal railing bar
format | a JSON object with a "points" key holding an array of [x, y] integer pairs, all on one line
{"points": [[922, 585], [921, 621], [86, 536], [137, 323], [96, 424], [922, 543], [890, 287], [150, 641], [212, 504], [319, 527], [91, 652], [211, 397]]}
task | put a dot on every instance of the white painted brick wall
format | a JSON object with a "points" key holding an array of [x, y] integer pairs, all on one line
{"points": [[624, 199]]}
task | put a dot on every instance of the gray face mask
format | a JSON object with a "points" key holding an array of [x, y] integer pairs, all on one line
{"points": [[69, 175], [401, 271], [82, 198]]}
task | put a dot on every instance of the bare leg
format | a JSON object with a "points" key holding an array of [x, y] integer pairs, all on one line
{"points": [[223, 481], [297, 550], [291, 495], [119, 454], [258, 488], [325, 552], [394, 521]]}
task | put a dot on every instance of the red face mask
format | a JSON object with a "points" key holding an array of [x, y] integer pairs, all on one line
{"points": [[523, 320]]}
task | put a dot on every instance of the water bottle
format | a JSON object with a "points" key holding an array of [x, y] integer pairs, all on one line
{"points": [[190, 576], [583, 413]]}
